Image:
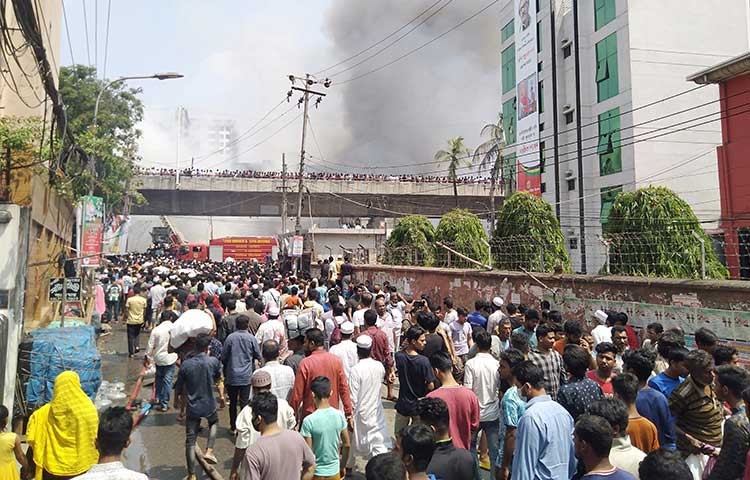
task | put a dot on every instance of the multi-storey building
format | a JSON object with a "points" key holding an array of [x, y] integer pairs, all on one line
{"points": [[639, 121]]}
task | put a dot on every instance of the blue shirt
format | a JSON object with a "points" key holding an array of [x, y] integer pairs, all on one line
{"points": [[476, 319], [665, 384], [653, 405], [511, 410], [530, 335], [240, 349], [324, 426], [198, 375], [544, 442]]}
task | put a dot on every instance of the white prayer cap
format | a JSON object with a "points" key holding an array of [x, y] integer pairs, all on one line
{"points": [[601, 315], [347, 328], [497, 301], [364, 341]]}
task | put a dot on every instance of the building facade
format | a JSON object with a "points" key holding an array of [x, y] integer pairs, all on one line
{"points": [[733, 79], [641, 122]]}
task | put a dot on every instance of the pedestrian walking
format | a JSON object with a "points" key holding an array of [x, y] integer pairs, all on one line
{"points": [[135, 309], [282, 376], [164, 360], [239, 356]]}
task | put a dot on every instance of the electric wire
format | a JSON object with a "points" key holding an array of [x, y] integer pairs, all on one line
{"points": [[361, 52], [106, 39], [86, 31], [67, 32]]}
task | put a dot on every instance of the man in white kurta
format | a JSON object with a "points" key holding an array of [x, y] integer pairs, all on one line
{"points": [[346, 350], [370, 433]]}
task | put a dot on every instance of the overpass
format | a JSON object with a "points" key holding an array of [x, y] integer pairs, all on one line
{"points": [[261, 197]]}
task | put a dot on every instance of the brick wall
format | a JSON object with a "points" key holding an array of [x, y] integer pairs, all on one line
{"points": [[723, 306]]}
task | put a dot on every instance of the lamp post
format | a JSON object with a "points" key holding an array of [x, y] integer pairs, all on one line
{"points": [[157, 76]]}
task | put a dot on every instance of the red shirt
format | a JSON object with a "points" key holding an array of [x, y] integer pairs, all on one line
{"points": [[606, 386], [380, 350], [463, 407], [320, 363]]}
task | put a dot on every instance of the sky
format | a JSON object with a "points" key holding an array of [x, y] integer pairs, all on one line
{"points": [[236, 56]]}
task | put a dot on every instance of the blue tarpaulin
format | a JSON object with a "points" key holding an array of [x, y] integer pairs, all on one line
{"points": [[56, 350]]}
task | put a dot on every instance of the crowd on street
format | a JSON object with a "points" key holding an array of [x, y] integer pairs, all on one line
{"points": [[365, 177], [304, 366]]}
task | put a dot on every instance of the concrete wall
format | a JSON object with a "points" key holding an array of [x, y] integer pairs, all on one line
{"points": [[719, 305]]}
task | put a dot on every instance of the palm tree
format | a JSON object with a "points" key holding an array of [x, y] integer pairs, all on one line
{"points": [[456, 154], [490, 155]]}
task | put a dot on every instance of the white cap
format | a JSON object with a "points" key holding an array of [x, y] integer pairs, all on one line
{"points": [[364, 341], [601, 316], [341, 301], [347, 328], [497, 301], [273, 311]]}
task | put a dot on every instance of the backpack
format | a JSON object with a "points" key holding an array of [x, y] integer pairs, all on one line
{"points": [[336, 333], [298, 322], [113, 293]]}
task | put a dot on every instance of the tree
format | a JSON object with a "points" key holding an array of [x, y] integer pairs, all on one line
{"points": [[652, 232], [456, 154], [411, 242], [113, 142], [462, 231], [528, 235], [490, 155]]}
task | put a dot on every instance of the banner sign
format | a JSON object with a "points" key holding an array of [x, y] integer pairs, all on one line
{"points": [[527, 107], [297, 245], [116, 235], [529, 179], [92, 230], [72, 289]]}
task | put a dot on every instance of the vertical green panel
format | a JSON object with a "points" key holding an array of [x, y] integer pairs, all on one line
{"points": [[541, 97], [608, 147], [607, 69], [604, 12], [509, 173], [507, 31], [608, 196], [509, 121], [508, 60], [539, 37]]}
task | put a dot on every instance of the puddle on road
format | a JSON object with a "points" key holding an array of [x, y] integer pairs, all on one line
{"points": [[134, 457]]}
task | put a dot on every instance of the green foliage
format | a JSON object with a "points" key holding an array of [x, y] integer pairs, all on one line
{"points": [[456, 155], [489, 155], [113, 142], [462, 231], [652, 234], [528, 235], [20, 133], [411, 242]]}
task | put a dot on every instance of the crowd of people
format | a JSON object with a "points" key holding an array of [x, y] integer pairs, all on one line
{"points": [[368, 177], [308, 368]]}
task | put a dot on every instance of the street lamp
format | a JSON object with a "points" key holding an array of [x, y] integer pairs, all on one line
{"points": [[157, 76]]}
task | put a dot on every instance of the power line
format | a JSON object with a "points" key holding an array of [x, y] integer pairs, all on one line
{"points": [[86, 30], [389, 45], [241, 136], [67, 32], [380, 41], [96, 35], [414, 50], [106, 39]]}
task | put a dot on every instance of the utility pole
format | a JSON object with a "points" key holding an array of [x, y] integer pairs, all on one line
{"points": [[283, 194], [179, 137], [304, 101]]}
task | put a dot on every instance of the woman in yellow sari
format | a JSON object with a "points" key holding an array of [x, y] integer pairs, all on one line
{"points": [[62, 433]]}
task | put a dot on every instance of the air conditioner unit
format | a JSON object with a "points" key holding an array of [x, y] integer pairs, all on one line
{"points": [[567, 108], [565, 42]]}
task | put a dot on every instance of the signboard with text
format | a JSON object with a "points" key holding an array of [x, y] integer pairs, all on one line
{"points": [[297, 245], [72, 289], [92, 230], [527, 98]]}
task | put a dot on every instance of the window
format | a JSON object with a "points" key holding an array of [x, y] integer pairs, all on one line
{"points": [[606, 68], [569, 117], [543, 187], [509, 121], [571, 184], [538, 6], [608, 196], [567, 50], [610, 160], [541, 96], [509, 173], [538, 37], [509, 68], [541, 126], [507, 31], [604, 12], [573, 243], [539, 67], [542, 157]]}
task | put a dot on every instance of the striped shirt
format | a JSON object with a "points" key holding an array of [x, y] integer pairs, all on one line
{"points": [[697, 412]]}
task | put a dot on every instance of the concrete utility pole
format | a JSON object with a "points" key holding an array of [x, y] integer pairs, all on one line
{"points": [[304, 101], [283, 194]]}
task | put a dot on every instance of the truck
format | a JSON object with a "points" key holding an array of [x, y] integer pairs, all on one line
{"points": [[242, 248]]}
